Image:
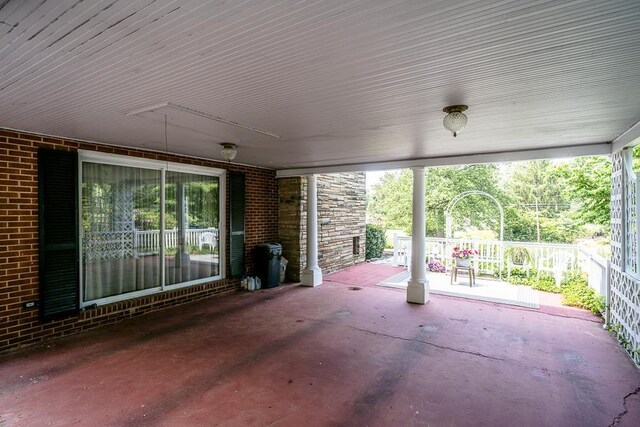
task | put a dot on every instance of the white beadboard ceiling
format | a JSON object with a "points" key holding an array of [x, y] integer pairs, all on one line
{"points": [[325, 83]]}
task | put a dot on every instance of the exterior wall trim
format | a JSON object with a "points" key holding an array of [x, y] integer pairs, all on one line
{"points": [[603, 148], [627, 138]]}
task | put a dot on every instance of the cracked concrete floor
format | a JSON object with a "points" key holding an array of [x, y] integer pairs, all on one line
{"points": [[341, 354]]}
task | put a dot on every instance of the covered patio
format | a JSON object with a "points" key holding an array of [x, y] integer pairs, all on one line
{"points": [[129, 129], [345, 353]]}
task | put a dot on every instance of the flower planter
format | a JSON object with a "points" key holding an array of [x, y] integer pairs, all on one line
{"points": [[463, 256], [463, 262]]}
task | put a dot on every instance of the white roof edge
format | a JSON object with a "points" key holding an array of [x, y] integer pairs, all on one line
{"points": [[626, 138], [603, 148]]}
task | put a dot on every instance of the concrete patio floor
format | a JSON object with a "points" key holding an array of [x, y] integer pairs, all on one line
{"points": [[491, 290], [346, 353]]}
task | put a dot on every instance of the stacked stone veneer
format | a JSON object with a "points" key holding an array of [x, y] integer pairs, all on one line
{"points": [[341, 218], [290, 231], [624, 300], [19, 239]]}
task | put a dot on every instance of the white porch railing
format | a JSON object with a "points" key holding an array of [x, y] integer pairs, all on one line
{"points": [[597, 269], [148, 241], [491, 259], [122, 244], [490, 252]]}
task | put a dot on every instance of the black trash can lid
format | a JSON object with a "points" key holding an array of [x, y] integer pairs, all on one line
{"points": [[269, 245]]}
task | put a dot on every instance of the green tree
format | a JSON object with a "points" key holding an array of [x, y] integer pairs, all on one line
{"points": [[472, 212], [535, 189], [390, 204], [543, 201], [589, 182], [390, 201]]}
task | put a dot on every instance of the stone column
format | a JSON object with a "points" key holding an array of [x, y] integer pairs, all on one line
{"points": [[312, 275], [418, 286]]}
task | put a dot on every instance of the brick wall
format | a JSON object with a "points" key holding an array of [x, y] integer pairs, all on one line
{"points": [[19, 239], [341, 217]]}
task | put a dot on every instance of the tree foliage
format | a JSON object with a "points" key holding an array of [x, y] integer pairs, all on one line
{"points": [[390, 204], [589, 179], [390, 201], [472, 212], [536, 192], [543, 200]]}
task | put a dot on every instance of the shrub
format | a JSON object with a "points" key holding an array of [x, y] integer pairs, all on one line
{"points": [[577, 293], [575, 289], [516, 279], [545, 284], [375, 240]]}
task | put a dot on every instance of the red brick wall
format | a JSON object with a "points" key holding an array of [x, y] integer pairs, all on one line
{"points": [[19, 239]]}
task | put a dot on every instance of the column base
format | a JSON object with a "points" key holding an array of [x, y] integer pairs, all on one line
{"points": [[418, 292], [311, 277]]}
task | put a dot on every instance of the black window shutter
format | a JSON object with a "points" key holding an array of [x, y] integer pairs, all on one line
{"points": [[58, 231], [236, 221]]}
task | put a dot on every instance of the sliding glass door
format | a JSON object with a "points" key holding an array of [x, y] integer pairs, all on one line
{"points": [[191, 218], [119, 203], [147, 226]]}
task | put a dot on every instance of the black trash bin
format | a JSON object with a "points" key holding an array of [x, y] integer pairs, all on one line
{"points": [[267, 263]]}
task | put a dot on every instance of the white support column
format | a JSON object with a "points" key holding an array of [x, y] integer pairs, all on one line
{"points": [[312, 275], [418, 286]]}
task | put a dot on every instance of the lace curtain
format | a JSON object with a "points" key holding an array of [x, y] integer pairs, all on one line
{"points": [[120, 216]]}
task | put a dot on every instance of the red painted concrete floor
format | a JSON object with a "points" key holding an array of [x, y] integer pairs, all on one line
{"points": [[331, 355]]}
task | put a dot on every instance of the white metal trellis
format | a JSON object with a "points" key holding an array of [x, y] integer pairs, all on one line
{"points": [[448, 220]]}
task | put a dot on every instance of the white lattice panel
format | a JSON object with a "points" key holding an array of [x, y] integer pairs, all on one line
{"points": [[631, 220], [107, 245], [110, 216], [123, 212], [625, 310], [625, 290], [617, 163]]}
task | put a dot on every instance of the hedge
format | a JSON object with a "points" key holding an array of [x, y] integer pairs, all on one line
{"points": [[375, 241]]}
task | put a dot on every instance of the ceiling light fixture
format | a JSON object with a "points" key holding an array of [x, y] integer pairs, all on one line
{"points": [[455, 120], [229, 151]]}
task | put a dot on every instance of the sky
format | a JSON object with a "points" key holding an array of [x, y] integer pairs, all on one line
{"points": [[373, 178]]}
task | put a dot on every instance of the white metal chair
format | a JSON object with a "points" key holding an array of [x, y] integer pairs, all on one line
{"points": [[557, 264], [207, 238], [405, 252]]}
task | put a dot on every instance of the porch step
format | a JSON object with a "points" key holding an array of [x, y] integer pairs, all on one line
{"points": [[528, 296]]}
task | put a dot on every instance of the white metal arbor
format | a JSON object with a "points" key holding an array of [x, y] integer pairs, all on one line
{"points": [[448, 219]]}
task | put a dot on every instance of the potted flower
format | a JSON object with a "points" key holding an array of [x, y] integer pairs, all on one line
{"points": [[518, 255], [436, 265], [463, 256]]}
